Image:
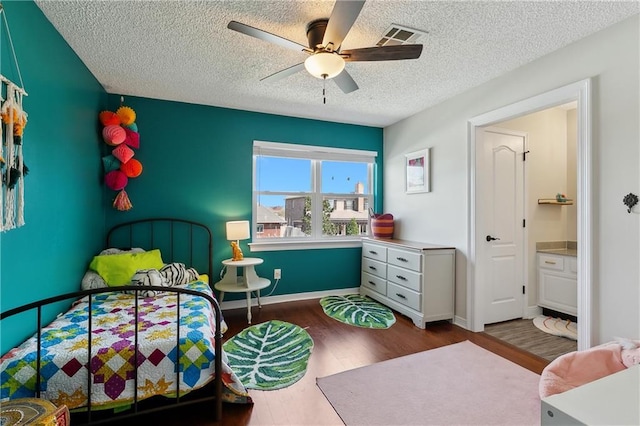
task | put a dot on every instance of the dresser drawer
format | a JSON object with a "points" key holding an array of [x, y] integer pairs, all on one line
{"points": [[405, 277], [376, 284], [373, 251], [406, 259], [374, 267], [403, 295], [551, 262]]}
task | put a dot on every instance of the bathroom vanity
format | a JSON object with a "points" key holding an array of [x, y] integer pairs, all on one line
{"points": [[558, 277]]}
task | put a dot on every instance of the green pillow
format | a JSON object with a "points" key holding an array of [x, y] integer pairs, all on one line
{"points": [[117, 269]]}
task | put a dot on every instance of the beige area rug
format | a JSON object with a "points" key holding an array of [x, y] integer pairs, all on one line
{"points": [[459, 384], [526, 336], [557, 326]]}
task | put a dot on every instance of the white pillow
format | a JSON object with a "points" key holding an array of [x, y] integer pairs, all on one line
{"points": [[92, 280]]}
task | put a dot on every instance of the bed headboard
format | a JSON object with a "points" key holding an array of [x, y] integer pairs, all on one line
{"points": [[179, 240]]}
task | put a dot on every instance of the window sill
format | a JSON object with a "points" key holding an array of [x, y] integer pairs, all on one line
{"points": [[304, 245]]}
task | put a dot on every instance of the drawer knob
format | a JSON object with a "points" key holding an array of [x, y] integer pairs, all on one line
{"points": [[400, 277], [402, 259], [550, 262], [372, 267], [373, 252], [372, 283], [401, 296]]}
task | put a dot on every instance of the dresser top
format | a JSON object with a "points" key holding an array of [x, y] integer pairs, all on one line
{"points": [[404, 243]]}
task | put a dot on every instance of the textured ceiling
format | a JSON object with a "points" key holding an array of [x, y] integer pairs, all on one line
{"points": [[183, 51]]}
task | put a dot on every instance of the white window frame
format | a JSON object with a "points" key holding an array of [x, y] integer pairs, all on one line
{"points": [[316, 239]]}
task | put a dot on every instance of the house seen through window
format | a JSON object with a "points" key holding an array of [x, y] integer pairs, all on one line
{"points": [[311, 193]]}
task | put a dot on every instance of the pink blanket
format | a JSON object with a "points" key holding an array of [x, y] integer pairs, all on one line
{"points": [[578, 368]]}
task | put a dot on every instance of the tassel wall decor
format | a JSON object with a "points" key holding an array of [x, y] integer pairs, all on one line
{"points": [[120, 132], [13, 120]]}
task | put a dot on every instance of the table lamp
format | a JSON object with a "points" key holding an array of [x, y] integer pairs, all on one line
{"points": [[237, 230]]}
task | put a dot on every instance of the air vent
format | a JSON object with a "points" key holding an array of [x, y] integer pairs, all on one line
{"points": [[397, 34]]}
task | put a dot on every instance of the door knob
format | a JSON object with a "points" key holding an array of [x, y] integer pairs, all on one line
{"points": [[490, 238]]}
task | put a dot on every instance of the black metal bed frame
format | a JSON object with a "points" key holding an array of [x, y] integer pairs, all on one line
{"points": [[130, 229]]}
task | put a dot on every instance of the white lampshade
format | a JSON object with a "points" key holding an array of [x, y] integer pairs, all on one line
{"points": [[324, 63], [238, 230]]}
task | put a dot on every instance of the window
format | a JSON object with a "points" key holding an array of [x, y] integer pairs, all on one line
{"points": [[310, 194]]}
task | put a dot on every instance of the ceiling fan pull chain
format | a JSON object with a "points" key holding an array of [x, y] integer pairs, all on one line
{"points": [[324, 89]]}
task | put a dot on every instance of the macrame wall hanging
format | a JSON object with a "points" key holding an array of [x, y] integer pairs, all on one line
{"points": [[13, 121], [120, 132]]}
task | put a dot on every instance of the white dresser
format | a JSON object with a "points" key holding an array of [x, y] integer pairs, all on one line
{"points": [[415, 279]]}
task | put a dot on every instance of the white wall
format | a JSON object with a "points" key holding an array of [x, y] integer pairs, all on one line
{"points": [[611, 59]]}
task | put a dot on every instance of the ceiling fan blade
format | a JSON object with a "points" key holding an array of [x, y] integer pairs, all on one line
{"points": [[344, 14], [384, 53], [263, 35], [284, 73], [345, 82]]}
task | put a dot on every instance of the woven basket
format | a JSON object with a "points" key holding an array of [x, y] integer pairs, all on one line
{"points": [[382, 228]]}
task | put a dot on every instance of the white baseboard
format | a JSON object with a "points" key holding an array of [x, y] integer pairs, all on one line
{"points": [[532, 312], [269, 300], [460, 322]]}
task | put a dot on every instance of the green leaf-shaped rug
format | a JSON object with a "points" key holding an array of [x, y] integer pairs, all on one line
{"points": [[357, 310], [269, 356]]}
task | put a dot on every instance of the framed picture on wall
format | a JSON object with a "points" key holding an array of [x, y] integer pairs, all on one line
{"points": [[417, 171]]}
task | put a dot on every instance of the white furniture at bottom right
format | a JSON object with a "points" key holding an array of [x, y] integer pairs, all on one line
{"points": [[612, 400]]}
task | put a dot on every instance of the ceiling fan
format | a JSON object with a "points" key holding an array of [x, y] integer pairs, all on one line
{"points": [[327, 60]]}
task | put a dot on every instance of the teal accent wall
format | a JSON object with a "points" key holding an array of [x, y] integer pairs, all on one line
{"points": [[64, 201], [198, 165]]}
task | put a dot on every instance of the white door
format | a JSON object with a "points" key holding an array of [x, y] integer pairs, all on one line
{"points": [[502, 195]]}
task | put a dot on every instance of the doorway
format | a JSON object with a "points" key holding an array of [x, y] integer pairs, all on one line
{"points": [[477, 286], [525, 159]]}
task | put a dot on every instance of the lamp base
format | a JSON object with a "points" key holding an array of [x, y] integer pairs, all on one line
{"points": [[237, 253]]}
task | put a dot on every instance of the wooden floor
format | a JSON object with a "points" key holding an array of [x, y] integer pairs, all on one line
{"points": [[523, 334], [337, 347]]}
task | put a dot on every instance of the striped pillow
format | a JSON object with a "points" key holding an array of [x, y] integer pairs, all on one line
{"points": [[147, 277], [178, 274]]}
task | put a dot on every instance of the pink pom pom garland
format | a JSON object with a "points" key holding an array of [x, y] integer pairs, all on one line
{"points": [[120, 131], [132, 168], [108, 118], [113, 135], [123, 153], [132, 139], [116, 180]]}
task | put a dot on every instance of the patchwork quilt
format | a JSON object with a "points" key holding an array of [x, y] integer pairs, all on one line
{"points": [[160, 372]]}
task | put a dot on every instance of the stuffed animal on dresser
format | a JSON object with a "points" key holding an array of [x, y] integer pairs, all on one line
{"points": [[237, 253]]}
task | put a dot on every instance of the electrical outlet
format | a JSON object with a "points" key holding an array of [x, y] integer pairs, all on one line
{"points": [[277, 274]]}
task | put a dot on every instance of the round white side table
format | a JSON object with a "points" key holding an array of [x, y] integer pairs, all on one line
{"points": [[247, 283]]}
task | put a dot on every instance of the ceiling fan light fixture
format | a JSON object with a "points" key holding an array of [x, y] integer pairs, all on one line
{"points": [[324, 65]]}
